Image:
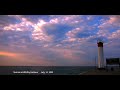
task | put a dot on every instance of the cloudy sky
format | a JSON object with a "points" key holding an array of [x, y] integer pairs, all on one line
{"points": [[57, 40]]}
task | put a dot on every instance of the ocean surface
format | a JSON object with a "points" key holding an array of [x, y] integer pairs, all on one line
{"points": [[44, 70]]}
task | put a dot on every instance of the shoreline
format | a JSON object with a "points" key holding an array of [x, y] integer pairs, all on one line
{"points": [[102, 72]]}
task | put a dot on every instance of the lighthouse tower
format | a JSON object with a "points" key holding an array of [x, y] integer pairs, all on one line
{"points": [[100, 55]]}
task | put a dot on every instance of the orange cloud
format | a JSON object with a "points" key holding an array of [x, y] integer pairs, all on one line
{"points": [[23, 59], [10, 54]]}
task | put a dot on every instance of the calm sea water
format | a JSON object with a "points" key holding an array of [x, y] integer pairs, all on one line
{"points": [[44, 70]]}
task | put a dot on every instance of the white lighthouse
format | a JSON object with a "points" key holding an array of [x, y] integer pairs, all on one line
{"points": [[100, 55]]}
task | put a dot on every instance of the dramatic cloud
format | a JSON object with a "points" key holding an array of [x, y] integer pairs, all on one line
{"points": [[23, 25], [39, 32], [59, 40]]}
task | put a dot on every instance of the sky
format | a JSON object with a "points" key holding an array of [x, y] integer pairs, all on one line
{"points": [[57, 40]]}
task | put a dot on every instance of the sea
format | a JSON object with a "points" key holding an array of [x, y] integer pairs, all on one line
{"points": [[44, 70]]}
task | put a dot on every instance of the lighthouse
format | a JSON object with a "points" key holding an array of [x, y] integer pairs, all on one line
{"points": [[100, 55]]}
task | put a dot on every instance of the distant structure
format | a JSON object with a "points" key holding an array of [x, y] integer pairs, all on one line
{"points": [[100, 54], [113, 61]]}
